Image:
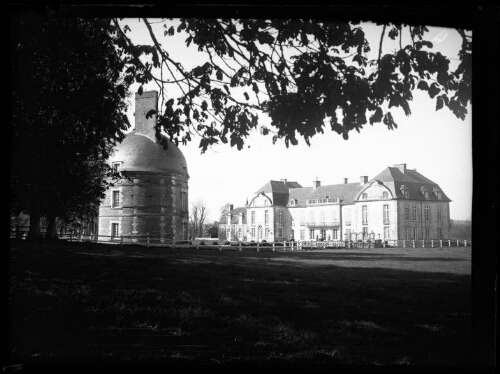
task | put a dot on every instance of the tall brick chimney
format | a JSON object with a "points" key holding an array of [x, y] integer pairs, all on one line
{"points": [[345, 180], [143, 104], [316, 183], [363, 180], [401, 167]]}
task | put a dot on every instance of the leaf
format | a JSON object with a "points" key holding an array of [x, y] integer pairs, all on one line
{"points": [[439, 102], [377, 116], [204, 105], [246, 96], [151, 113], [422, 85], [434, 90], [171, 31]]}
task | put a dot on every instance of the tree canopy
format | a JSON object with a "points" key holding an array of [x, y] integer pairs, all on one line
{"points": [[304, 74], [68, 102]]}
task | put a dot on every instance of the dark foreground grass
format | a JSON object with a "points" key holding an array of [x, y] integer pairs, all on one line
{"points": [[77, 303]]}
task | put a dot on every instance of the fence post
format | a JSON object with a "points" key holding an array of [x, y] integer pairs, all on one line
{"points": [[449, 243], [121, 240], [432, 243], [239, 246], [147, 238], [80, 237], [465, 243], [70, 236], [258, 247], [220, 247], [458, 244], [404, 243], [440, 243], [96, 239], [413, 242], [273, 246], [423, 243]]}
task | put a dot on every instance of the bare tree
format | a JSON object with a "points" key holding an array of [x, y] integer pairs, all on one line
{"points": [[197, 218]]}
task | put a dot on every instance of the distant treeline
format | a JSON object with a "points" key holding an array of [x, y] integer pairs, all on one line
{"points": [[461, 230]]}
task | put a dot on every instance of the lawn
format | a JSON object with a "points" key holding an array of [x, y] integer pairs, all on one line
{"points": [[83, 303]]}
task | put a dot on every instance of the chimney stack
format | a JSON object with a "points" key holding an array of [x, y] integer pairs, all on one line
{"points": [[401, 167], [143, 104], [231, 207], [284, 180], [316, 183], [345, 180], [364, 180]]}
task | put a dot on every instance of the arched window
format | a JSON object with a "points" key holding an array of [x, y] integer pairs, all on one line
{"points": [[364, 196], [385, 195]]}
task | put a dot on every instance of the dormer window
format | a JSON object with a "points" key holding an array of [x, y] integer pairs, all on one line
{"points": [[405, 191], [292, 202], [116, 166], [385, 195]]}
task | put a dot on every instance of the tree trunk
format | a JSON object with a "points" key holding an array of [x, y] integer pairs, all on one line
{"points": [[51, 233], [34, 230]]}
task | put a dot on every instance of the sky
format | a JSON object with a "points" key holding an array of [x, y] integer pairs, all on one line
{"points": [[435, 143]]}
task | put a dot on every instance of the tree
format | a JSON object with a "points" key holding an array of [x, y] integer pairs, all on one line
{"points": [[68, 100], [197, 218], [304, 74]]}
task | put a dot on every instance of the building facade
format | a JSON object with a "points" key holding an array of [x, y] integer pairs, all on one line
{"points": [[152, 198], [398, 203]]}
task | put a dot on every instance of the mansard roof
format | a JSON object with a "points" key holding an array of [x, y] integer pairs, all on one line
{"points": [[394, 179], [345, 192], [235, 215]]}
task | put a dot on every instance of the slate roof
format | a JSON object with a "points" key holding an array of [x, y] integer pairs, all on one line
{"points": [[345, 192], [394, 178], [279, 190], [235, 215]]}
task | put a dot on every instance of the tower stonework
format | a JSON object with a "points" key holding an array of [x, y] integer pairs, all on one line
{"points": [[152, 199]]}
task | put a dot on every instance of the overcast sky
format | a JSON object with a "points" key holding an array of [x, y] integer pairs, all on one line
{"points": [[437, 144]]}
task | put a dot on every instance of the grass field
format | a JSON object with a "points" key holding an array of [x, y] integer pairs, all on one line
{"points": [[77, 303]]}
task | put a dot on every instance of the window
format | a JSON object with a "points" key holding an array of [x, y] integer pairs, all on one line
{"points": [[267, 232], [440, 233], [280, 217], [365, 214], [253, 219], [302, 234], [239, 233], [415, 233], [292, 202], [414, 213], [440, 214], [335, 234], [385, 195], [365, 233], [426, 232], [116, 166], [260, 232], [407, 233], [311, 234], [253, 232], [386, 232], [183, 201], [386, 214], [322, 234], [364, 196], [426, 213], [348, 234], [280, 232], [265, 202], [407, 213], [184, 230], [115, 199], [266, 217], [348, 217], [115, 230]]}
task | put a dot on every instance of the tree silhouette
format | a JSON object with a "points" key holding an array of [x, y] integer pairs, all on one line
{"points": [[304, 74]]}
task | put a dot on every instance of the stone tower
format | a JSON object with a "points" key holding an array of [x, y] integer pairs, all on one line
{"points": [[153, 198]]}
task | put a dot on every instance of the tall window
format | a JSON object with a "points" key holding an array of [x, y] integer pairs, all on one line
{"points": [[364, 209], [253, 232], [415, 233], [426, 233], [183, 201], [239, 233], [407, 233], [440, 233], [114, 230], [253, 218], [386, 214], [267, 232], [260, 232], [365, 233], [266, 217], [302, 234], [440, 214], [414, 213], [348, 234], [311, 234], [280, 232], [426, 213], [280, 217], [115, 199], [335, 234], [407, 213], [386, 232]]}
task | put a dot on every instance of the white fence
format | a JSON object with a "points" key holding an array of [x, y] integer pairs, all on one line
{"points": [[206, 243]]}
